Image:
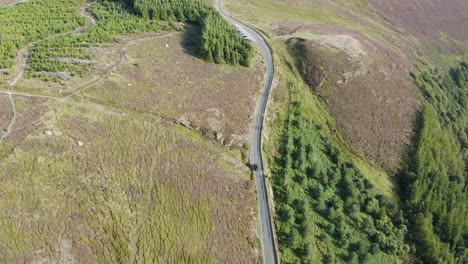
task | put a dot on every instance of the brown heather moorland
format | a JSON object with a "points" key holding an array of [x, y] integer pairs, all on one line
{"points": [[135, 188], [432, 20], [121, 166], [159, 76]]}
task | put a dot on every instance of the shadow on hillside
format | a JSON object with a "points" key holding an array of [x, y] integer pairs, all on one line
{"points": [[190, 38]]}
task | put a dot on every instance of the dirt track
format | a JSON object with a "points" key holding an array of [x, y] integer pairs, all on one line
{"points": [[8, 2]]}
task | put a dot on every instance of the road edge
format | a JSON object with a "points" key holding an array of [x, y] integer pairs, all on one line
{"points": [[266, 184]]}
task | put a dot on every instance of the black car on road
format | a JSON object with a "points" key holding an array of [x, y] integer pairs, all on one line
{"points": [[254, 167]]}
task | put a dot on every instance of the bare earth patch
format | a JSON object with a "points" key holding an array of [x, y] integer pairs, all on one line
{"points": [[7, 2]]}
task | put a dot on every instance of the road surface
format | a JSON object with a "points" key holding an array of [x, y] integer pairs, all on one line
{"points": [[266, 226]]}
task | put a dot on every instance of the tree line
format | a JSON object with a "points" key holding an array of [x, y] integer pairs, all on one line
{"points": [[218, 41], [34, 20], [326, 209], [434, 179]]}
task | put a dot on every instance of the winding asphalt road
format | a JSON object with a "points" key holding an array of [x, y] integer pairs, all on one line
{"points": [[266, 226]]}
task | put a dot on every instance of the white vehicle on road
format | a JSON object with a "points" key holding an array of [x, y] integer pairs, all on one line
{"points": [[244, 35]]}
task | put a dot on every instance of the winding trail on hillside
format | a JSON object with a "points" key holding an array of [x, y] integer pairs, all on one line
{"points": [[103, 76], [266, 231]]}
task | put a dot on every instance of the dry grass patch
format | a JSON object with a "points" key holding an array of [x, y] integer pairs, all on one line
{"points": [[6, 112], [439, 22]]}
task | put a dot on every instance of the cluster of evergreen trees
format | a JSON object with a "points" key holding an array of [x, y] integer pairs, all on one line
{"points": [[218, 41], [435, 177], [172, 10], [33, 20], [113, 19], [447, 93], [327, 210]]}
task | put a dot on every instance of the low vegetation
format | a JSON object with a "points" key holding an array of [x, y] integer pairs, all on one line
{"points": [[375, 114], [184, 89], [316, 183], [136, 189], [86, 179], [430, 158], [434, 180]]}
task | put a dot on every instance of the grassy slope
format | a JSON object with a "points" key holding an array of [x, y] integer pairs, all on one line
{"points": [[116, 197], [265, 14], [315, 109], [292, 89], [113, 188]]}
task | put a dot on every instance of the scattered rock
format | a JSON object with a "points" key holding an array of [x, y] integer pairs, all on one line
{"points": [[215, 111], [75, 61], [65, 76], [347, 77], [219, 136], [183, 120]]}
